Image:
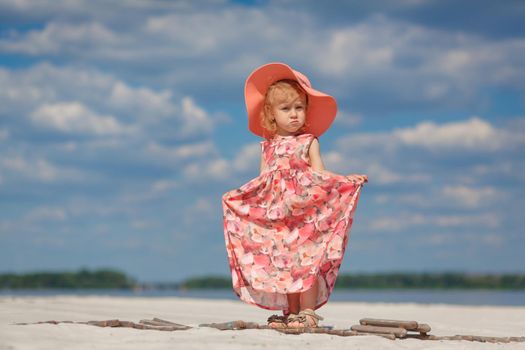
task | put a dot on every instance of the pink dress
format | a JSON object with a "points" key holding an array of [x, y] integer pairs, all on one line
{"points": [[287, 227]]}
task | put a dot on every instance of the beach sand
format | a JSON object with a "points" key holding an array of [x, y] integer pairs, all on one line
{"points": [[444, 320]]}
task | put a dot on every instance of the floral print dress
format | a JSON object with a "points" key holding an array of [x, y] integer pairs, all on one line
{"points": [[287, 227]]}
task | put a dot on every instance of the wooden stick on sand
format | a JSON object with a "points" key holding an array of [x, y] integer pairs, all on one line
{"points": [[389, 329], [155, 324]]}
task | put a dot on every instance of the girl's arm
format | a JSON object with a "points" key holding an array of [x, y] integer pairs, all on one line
{"points": [[315, 157], [262, 167], [317, 163]]}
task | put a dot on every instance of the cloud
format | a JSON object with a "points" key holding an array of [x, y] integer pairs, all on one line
{"points": [[4, 134], [473, 134], [73, 117], [409, 66], [196, 119], [248, 158], [447, 196], [114, 112], [59, 38], [431, 14], [464, 175], [209, 170], [471, 239], [39, 169], [46, 213], [348, 119], [408, 221], [368, 58], [245, 161], [162, 186], [145, 102], [432, 177], [175, 154], [202, 207], [24, 11], [472, 197], [377, 172], [60, 99]]}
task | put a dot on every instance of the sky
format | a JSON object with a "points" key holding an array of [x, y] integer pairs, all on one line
{"points": [[122, 123]]}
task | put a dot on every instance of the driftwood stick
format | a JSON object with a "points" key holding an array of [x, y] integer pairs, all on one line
{"points": [[384, 335], [119, 323], [233, 325], [167, 322], [162, 325], [301, 330], [423, 328], [106, 323], [318, 330], [163, 328], [408, 325], [476, 338], [152, 323], [398, 332], [130, 324], [338, 332], [143, 324]]}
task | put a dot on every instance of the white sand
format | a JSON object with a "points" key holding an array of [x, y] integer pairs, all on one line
{"points": [[444, 320]]}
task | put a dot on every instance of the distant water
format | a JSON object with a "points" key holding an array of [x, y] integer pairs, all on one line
{"points": [[420, 296]]}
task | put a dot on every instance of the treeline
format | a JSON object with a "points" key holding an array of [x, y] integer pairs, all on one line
{"points": [[112, 279], [394, 281], [431, 281], [82, 279]]}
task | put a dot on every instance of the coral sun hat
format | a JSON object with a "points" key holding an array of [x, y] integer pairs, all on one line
{"points": [[321, 110]]}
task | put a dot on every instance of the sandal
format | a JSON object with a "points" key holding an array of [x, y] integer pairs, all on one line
{"points": [[279, 321], [293, 318], [308, 318]]}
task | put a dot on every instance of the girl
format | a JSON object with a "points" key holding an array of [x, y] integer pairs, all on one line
{"points": [[286, 230]]}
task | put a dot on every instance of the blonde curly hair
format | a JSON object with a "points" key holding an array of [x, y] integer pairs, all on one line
{"points": [[280, 91]]}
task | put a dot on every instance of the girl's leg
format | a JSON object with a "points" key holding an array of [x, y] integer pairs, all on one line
{"points": [[309, 297], [293, 307], [307, 300]]}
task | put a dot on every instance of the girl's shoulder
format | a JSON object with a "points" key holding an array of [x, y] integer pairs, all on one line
{"points": [[301, 139], [306, 138], [296, 137], [307, 135]]}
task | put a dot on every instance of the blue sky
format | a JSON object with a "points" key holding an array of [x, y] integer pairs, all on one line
{"points": [[122, 123]]}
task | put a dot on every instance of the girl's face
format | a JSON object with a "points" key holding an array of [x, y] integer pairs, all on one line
{"points": [[290, 115]]}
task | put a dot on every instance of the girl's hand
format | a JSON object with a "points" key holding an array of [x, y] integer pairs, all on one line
{"points": [[359, 179]]}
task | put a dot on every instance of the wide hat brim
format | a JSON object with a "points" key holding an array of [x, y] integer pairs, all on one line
{"points": [[322, 108]]}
